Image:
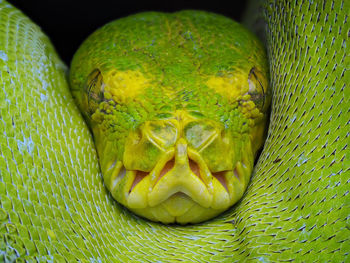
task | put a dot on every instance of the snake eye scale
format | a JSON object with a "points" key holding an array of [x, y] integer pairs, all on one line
{"points": [[196, 107]]}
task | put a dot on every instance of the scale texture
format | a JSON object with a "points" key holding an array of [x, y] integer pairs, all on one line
{"points": [[54, 206]]}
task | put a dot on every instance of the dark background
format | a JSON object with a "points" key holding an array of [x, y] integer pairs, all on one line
{"points": [[68, 23]]}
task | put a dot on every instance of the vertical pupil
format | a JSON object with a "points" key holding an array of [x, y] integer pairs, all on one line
{"points": [[94, 90], [256, 84]]}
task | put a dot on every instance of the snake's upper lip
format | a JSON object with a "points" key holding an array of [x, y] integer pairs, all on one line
{"points": [[188, 174], [180, 173]]}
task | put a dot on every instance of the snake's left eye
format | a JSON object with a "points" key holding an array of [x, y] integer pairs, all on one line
{"points": [[258, 89], [93, 92]]}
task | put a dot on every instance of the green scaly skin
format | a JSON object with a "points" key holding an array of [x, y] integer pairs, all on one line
{"points": [[54, 206], [165, 95]]}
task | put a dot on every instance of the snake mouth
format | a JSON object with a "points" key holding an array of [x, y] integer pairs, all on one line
{"points": [[181, 187], [187, 178], [172, 202], [220, 176]]}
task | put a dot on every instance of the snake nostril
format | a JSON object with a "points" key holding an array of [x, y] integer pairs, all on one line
{"points": [[220, 176]]}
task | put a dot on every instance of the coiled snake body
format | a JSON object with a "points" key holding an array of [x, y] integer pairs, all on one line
{"points": [[54, 206]]}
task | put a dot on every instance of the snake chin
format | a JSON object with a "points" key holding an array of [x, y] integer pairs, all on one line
{"points": [[178, 208]]}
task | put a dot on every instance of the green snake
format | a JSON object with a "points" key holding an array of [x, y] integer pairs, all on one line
{"points": [[165, 95], [54, 206]]}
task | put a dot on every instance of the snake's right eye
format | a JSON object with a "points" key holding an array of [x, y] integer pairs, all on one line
{"points": [[93, 94], [258, 89]]}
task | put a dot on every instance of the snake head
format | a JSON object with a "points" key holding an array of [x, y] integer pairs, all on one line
{"points": [[176, 133]]}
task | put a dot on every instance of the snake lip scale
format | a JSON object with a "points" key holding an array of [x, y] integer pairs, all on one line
{"points": [[159, 172]]}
